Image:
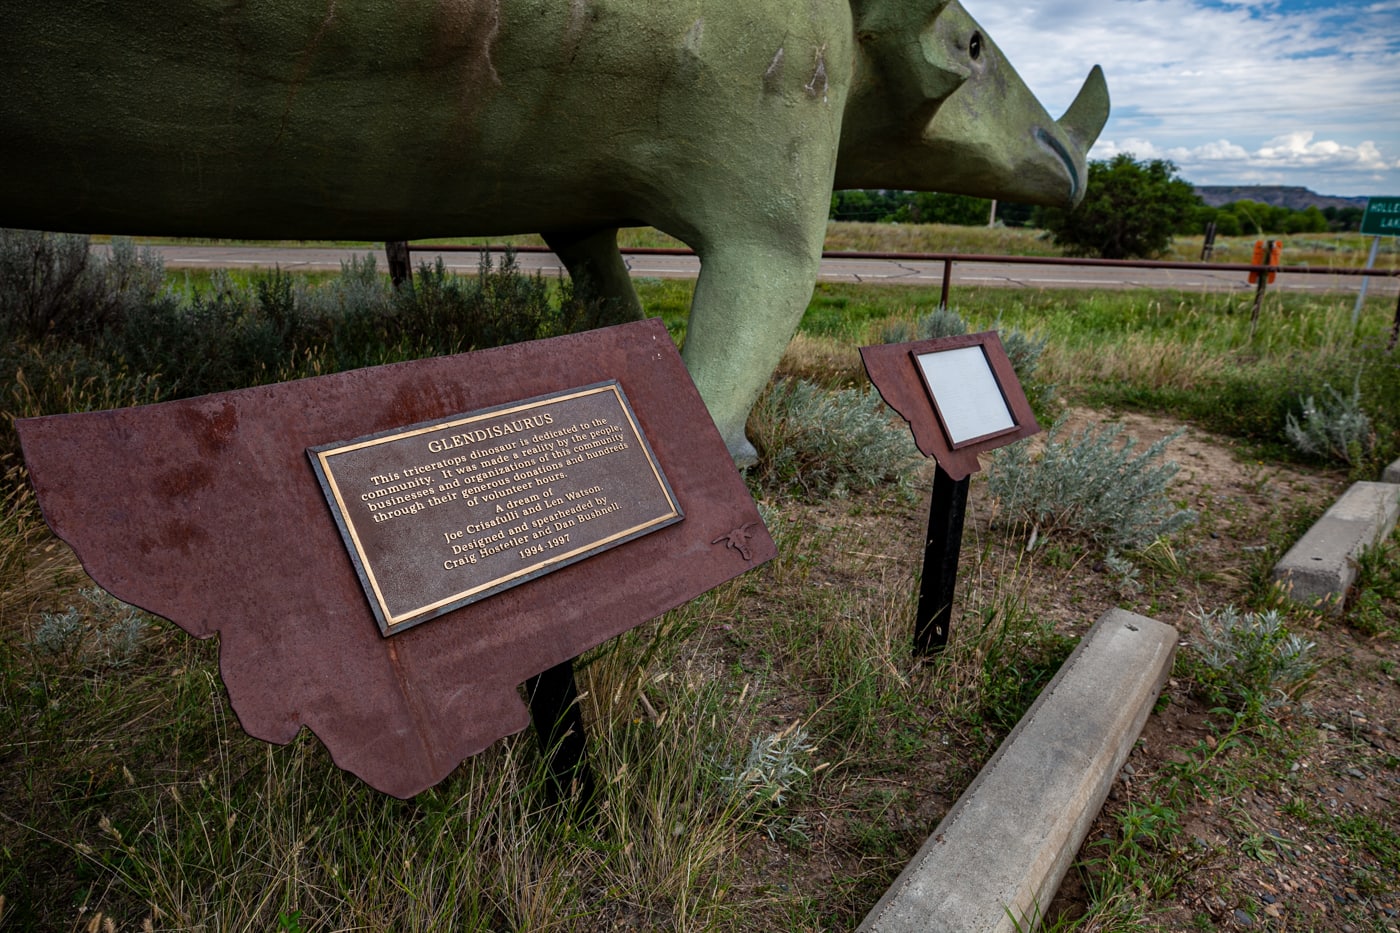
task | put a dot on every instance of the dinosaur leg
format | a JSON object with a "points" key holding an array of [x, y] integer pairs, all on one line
{"points": [[599, 273], [748, 301]]}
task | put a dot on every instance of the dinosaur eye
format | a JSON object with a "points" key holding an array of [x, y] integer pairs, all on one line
{"points": [[974, 46]]}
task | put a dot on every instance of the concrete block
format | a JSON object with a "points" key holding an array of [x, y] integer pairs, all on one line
{"points": [[1391, 473], [997, 858], [1321, 567]]}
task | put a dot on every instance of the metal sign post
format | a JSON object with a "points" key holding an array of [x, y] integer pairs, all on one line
{"points": [[961, 398], [942, 549], [553, 698]]}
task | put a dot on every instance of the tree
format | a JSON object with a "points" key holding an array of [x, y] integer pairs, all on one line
{"points": [[1343, 219], [1130, 211], [1308, 220], [908, 207], [934, 207]]}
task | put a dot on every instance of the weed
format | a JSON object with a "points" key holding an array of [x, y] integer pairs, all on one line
{"points": [[1090, 485], [770, 770], [104, 633], [1125, 573], [765, 782], [816, 443], [1251, 661], [1334, 429], [1374, 607]]}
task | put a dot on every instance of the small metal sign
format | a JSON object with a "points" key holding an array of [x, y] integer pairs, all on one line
{"points": [[959, 394], [961, 397], [1382, 217], [444, 513]]}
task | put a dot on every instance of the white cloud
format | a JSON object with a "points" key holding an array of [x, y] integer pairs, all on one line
{"points": [[1225, 89], [1298, 148], [1281, 160]]}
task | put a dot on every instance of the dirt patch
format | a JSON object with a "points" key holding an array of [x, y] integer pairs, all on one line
{"points": [[1307, 845]]}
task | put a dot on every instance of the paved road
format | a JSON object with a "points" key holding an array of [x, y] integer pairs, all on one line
{"points": [[965, 274]]}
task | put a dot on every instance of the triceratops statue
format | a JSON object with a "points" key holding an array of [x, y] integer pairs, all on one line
{"points": [[724, 123]]}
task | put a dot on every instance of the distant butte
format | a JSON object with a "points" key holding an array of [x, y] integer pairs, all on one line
{"points": [[1293, 197]]}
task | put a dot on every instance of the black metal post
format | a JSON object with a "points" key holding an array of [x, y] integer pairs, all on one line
{"points": [[1263, 284], [559, 727], [941, 551], [400, 264]]}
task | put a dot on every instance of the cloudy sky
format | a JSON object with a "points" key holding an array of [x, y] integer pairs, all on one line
{"points": [[1286, 92]]}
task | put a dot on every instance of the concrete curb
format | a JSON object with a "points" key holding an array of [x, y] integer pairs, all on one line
{"points": [[1000, 854], [1391, 473], [1321, 567]]}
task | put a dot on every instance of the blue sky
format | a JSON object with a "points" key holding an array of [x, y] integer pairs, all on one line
{"points": [[1256, 92]]}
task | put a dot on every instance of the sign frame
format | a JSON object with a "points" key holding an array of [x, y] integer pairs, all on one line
{"points": [[372, 558], [898, 375]]}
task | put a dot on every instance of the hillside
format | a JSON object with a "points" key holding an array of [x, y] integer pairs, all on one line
{"points": [[1295, 198]]}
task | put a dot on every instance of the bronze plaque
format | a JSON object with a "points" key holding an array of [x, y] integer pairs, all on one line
{"points": [[444, 513]]}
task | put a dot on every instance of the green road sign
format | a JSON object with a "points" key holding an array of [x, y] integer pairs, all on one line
{"points": [[1382, 217]]}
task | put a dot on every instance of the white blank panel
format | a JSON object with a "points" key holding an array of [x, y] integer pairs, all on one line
{"points": [[966, 393]]}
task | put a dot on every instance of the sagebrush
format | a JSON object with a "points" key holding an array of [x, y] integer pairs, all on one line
{"points": [[1023, 350], [814, 442], [1251, 660], [1333, 428], [1089, 484]]}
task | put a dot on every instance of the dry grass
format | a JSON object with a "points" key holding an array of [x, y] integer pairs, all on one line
{"points": [[133, 794], [824, 360]]}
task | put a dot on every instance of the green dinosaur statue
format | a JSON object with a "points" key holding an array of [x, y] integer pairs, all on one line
{"points": [[726, 124]]}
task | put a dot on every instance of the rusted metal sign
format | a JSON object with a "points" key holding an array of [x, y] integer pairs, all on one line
{"points": [[905, 376], [208, 511], [441, 514], [961, 398]]}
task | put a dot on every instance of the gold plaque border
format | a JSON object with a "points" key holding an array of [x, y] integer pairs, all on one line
{"points": [[391, 623]]}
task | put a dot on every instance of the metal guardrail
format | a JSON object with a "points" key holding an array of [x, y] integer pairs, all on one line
{"points": [[1265, 272]]}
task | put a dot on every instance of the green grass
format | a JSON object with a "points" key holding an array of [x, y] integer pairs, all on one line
{"points": [[1187, 354], [769, 756]]}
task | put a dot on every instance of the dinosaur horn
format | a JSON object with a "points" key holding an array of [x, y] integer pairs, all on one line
{"points": [[1084, 119]]}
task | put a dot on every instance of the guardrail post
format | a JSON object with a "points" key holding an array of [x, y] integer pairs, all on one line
{"points": [[1266, 256], [947, 281], [400, 265]]}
